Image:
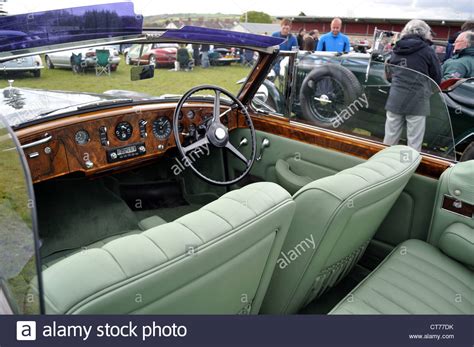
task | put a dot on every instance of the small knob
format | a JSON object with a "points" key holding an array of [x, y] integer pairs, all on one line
{"points": [[161, 147], [142, 149], [113, 155], [89, 164]]}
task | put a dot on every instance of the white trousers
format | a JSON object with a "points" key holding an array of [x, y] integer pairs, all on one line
{"points": [[415, 129]]}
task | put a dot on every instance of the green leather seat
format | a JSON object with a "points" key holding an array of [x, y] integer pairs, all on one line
{"points": [[335, 219], [217, 260], [416, 278]]}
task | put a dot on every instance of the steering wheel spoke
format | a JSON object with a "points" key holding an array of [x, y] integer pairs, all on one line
{"points": [[236, 152], [217, 107], [199, 143]]}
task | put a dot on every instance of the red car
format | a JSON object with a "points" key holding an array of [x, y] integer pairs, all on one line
{"points": [[158, 54]]}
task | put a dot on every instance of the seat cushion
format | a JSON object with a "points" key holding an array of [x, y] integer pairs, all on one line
{"points": [[218, 260], [416, 278]]}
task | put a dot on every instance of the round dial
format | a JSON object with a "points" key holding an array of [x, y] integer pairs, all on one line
{"points": [[123, 131], [190, 114], [82, 137], [162, 128]]}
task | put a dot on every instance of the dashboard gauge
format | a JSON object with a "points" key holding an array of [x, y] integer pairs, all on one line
{"points": [[162, 128], [180, 115], [180, 128], [190, 114], [82, 137], [123, 131]]}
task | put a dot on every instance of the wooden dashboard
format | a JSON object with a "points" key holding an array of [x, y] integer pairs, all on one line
{"points": [[109, 140]]}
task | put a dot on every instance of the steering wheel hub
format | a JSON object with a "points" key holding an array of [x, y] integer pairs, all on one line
{"points": [[220, 134]]}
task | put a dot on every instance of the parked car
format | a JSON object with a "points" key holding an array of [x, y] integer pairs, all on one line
{"points": [[31, 64], [220, 56], [175, 197], [158, 54], [62, 59]]}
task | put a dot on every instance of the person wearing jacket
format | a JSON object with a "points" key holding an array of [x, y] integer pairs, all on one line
{"points": [[461, 65], [409, 97], [334, 41]]}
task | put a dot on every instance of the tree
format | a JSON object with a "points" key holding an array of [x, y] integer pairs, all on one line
{"points": [[256, 17], [302, 14]]}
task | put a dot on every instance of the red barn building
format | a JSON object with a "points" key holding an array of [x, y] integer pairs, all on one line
{"points": [[358, 28]]}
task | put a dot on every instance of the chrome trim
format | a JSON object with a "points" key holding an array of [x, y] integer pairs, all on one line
{"points": [[46, 139]]}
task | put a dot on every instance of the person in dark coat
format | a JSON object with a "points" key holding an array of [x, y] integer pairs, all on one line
{"points": [[300, 37], [409, 97], [309, 41]]}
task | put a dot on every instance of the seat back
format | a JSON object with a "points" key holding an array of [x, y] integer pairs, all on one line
{"points": [[452, 223], [334, 221], [217, 260]]}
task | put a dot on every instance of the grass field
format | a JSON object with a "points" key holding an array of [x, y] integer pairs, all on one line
{"points": [[164, 82]]}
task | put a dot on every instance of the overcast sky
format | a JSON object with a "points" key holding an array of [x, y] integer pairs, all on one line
{"points": [[425, 9]]}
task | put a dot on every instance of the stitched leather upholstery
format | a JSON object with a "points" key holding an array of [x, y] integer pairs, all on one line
{"points": [[218, 259], [415, 278], [340, 213]]}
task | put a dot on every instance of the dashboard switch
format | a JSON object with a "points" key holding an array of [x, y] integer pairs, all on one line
{"points": [[104, 141], [142, 126]]}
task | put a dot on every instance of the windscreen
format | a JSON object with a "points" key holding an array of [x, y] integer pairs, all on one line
{"points": [[385, 103]]}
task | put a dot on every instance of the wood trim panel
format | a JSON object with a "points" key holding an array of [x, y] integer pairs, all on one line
{"points": [[62, 155], [429, 166]]}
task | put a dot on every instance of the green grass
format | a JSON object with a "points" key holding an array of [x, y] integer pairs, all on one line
{"points": [[164, 82]]}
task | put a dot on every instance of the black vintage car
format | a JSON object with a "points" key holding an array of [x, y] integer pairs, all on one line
{"points": [[322, 84]]}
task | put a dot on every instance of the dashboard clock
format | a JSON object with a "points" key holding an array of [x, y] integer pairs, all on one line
{"points": [[162, 128], [82, 137], [123, 131]]}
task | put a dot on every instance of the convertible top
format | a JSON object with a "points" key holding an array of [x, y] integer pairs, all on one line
{"points": [[41, 32]]}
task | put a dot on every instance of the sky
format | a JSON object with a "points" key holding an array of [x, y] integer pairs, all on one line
{"points": [[424, 9]]}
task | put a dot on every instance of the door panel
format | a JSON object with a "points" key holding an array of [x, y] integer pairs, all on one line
{"points": [[409, 218]]}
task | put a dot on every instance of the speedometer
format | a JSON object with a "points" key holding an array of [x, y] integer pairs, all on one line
{"points": [[162, 128]]}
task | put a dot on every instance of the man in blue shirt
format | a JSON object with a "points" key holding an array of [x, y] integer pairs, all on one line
{"points": [[334, 41], [284, 33]]}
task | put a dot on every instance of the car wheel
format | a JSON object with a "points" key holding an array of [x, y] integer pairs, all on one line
{"points": [[49, 63], [468, 153], [152, 60], [326, 92], [36, 73]]}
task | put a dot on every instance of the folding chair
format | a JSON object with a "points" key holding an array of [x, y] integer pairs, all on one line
{"points": [[102, 65], [77, 64]]}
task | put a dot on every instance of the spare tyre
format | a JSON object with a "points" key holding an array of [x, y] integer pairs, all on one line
{"points": [[326, 92]]}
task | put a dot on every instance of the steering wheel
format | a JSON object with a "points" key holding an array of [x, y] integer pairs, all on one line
{"points": [[217, 134]]}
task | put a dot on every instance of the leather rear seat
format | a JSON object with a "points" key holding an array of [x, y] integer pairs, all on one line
{"points": [[427, 278], [415, 278]]}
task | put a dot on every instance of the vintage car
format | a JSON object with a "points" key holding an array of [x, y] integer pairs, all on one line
{"points": [[158, 54], [360, 74], [62, 59], [173, 197], [31, 64]]}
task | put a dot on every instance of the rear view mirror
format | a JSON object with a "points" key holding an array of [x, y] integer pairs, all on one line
{"points": [[142, 72]]}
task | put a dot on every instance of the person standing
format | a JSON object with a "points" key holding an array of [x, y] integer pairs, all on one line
{"points": [[197, 61], [461, 65], [309, 41], [334, 41], [284, 33], [300, 37], [205, 56], [409, 96]]}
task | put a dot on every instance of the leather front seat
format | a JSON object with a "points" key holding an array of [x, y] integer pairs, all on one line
{"points": [[334, 221], [217, 260]]}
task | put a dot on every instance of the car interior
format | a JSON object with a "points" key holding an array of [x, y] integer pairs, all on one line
{"points": [[208, 206]]}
